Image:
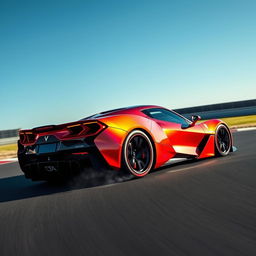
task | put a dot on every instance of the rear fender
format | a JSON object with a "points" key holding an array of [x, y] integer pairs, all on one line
{"points": [[118, 128]]}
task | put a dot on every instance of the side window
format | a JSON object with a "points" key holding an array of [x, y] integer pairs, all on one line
{"points": [[164, 115]]}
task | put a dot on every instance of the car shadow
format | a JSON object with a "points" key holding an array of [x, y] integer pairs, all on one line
{"points": [[18, 187]]}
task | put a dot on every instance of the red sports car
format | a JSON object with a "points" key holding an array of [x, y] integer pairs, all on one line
{"points": [[136, 139]]}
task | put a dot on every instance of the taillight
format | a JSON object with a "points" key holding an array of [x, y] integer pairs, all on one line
{"points": [[84, 129], [27, 137], [63, 131], [76, 130]]}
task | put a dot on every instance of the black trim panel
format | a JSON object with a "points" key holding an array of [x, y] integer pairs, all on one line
{"points": [[202, 144]]}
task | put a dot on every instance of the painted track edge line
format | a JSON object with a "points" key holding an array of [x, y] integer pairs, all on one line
{"points": [[245, 129], [8, 160]]}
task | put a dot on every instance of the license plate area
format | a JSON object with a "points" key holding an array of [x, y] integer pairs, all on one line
{"points": [[49, 167], [47, 148]]}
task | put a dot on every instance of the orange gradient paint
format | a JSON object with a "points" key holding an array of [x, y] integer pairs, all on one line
{"points": [[169, 139]]}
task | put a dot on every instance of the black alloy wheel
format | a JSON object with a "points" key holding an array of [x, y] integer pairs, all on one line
{"points": [[222, 140], [138, 153]]}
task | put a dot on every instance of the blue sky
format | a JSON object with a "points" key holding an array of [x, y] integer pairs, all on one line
{"points": [[63, 60]]}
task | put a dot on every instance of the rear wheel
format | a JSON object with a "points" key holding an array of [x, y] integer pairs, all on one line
{"points": [[138, 153], [222, 140]]}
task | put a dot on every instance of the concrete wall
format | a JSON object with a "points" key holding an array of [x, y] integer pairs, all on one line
{"points": [[9, 136], [230, 109], [9, 133]]}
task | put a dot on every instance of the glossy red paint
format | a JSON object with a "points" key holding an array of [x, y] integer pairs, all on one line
{"points": [[169, 139], [209, 149], [109, 143], [110, 130]]}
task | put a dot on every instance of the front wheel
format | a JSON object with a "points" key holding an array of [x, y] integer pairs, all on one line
{"points": [[222, 140], [138, 154]]}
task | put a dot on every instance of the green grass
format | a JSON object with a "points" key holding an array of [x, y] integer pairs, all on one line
{"points": [[9, 147], [242, 121], [8, 151]]}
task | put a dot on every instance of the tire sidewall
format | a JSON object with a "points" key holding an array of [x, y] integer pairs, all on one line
{"points": [[126, 164], [217, 149]]}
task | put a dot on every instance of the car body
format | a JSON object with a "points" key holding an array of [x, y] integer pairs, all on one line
{"points": [[137, 139]]}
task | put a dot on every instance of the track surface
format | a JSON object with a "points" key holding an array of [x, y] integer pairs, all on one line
{"points": [[206, 207]]}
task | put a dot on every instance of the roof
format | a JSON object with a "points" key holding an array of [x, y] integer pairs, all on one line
{"points": [[124, 110]]}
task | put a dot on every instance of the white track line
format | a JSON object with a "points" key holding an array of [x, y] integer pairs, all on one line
{"points": [[245, 129], [10, 159]]}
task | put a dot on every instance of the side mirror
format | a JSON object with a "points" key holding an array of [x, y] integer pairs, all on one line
{"points": [[194, 119]]}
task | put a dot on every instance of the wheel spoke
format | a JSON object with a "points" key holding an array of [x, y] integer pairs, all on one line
{"points": [[130, 146], [138, 153], [136, 142], [140, 164], [140, 141], [134, 164], [226, 137], [224, 146]]}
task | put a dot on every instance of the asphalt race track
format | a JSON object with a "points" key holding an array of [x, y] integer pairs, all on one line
{"points": [[205, 207]]}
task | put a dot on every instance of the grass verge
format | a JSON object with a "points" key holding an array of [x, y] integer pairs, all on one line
{"points": [[8, 151], [240, 121]]}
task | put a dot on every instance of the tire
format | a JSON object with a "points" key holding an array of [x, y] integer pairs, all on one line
{"points": [[138, 154], [223, 142]]}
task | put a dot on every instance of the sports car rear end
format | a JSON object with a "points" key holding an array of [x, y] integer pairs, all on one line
{"points": [[57, 151]]}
